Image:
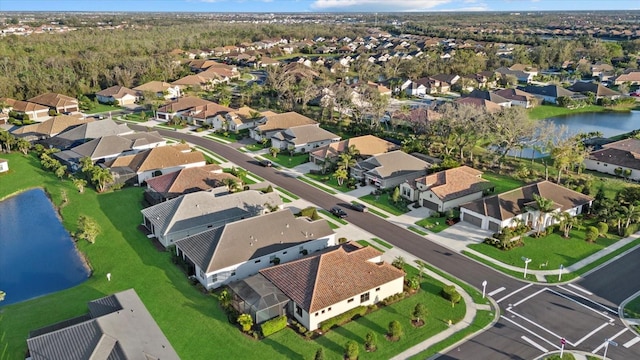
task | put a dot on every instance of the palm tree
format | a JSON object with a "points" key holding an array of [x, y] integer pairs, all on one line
{"points": [[79, 184], [274, 151], [101, 178], [341, 174], [346, 161], [543, 206], [567, 222], [231, 184], [23, 146]]}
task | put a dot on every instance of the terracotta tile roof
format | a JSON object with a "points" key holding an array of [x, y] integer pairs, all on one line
{"points": [[326, 278], [153, 86], [455, 183], [509, 204], [53, 126], [23, 106], [183, 103], [161, 157], [244, 115], [117, 91], [190, 179], [192, 80], [54, 100], [284, 121], [367, 145]]}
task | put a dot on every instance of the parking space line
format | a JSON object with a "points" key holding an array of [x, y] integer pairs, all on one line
{"points": [[530, 296], [534, 344], [581, 289], [586, 298], [631, 342], [536, 324], [590, 334], [497, 291], [611, 338], [515, 292], [581, 304], [531, 332]]}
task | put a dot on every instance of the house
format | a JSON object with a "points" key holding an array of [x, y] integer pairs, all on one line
{"points": [[521, 76], [154, 162], [550, 93], [599, 90], [49, 128], [487, 105], [181, 107], [390, 169], [499, 211], [275, 123], [35, 112], [367, 146], [160, 89], [58, 102], [620, 158], [322, 285], [194, 213], [524, 68], [117, 94], [236, 250], [631, 78], [82, 133], [446, 189], [243, 118], [450, 79], [186, 180], [303, 138], [117, 326], [491, 96], [109, 147], [4, 165], [517, 97]]}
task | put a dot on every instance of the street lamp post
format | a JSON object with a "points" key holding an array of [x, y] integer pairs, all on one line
{"points": [[607, 342], [484, 287], [526, 264]]}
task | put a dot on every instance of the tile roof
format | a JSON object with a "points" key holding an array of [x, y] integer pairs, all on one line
{"points": [[243, 240], [548, 90], [162, 157], [509, 204], [284, 121], [323, 279], [183, 103], [189, 180], [23, 106], [153, 86], [487, 95], [454, 183], [53, 126], [514, 94], [117, 91], [304, 134], [54, 100], [393, 164], [630, 144], [598, 89], [122, 329], [488, 105], [115, 144], [195, 209], [618, 155], [94, 130], [367, 145]]}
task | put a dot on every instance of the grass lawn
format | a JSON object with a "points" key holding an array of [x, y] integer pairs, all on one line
{"points": [[229, 136], [417, 231], [366, 243], [288, 193], [384, 202], [503, 183], [100, 108], [434, 224], [332, 217], [314, 184], [632, 309], [516, 274], [285, 199], [137, 118], [553, 249], [329, 180], [383, 243], [376, 212], [547, 111], [255, 147], [289, 161]]}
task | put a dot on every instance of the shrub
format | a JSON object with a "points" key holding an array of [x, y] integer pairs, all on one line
{"points": [[245, 321], [310, 212], [591, 234], [603, 228], [273, 326], [343, 318], [631, 229], [351, 350], [395, 330], [413, 283], [342, 240], [450, 293], [319, 354], [370, 342]]}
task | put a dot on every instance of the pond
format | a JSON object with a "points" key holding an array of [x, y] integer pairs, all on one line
{"points": [[37, 254], [608, 123]]}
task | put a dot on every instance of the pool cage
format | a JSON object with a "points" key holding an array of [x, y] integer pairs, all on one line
{"points": [[258, 297]]}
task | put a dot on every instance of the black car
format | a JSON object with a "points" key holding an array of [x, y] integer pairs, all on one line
{"points": [[266, 163], [359, 207], [338, 212]]}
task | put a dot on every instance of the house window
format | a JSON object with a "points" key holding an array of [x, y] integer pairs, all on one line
{"points": [[284, 253], [350, 300], [203, 275], [298, 310], [214, 277], [329, 309], [316, 314], [364, 297], [377, 289], [323, 311], [233, 273]]}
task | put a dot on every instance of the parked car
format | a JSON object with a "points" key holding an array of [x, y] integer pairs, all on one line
{"points": [[266, 163], [338, 212], [359, 207]]}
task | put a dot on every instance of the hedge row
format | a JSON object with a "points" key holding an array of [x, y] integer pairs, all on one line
{"points": [[274, 325], [450, 293], [342, 318]]}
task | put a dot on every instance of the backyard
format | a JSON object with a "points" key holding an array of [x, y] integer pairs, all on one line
{"points": [[502, 183], [181, 311]]}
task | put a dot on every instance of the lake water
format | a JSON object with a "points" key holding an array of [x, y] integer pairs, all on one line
{"points": [[608, 123], [37, 254]]}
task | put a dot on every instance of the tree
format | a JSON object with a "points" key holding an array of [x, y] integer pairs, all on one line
{"points": [[319, 354], [341, 174], [88, 229], [591, 234], [399, 262], [231, 184], [101, 178], [395, 197], [510, 127], [455, 298], [274, 151], [225, 299], [245, 321], [7, 140], [567, 222], [603, 228], [543, 206], [395, 330], [419, 313], [23, 146], [351, 350], [347, 161], [421, 268], [60, 171], [413, 283], [370, 341]]}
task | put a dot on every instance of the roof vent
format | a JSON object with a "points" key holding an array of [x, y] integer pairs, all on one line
{"points": [[250, 244], [287, 226]]}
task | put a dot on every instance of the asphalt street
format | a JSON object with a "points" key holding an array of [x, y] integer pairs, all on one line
{"points": [[523, 331]]}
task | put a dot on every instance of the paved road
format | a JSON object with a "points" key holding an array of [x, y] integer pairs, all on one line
{"points": [[525, 330]]}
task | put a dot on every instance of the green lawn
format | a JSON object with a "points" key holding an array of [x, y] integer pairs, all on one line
{"points": [[332, 217], [434, 224], [288, 161], [366, 243], [516, 274], [229, 136], [288, 193], [137, 118], [547, 111], [632, 310], [553, 249], [376, 212], [417, 231], [503, 183], [328, 179], [383, 243], [255, 147], [100, 108], [314, 184], [384, 202]]}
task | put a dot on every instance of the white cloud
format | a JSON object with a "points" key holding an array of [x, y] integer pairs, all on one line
{"points": [[379, 5]]}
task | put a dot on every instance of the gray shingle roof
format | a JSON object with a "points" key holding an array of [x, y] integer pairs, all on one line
{"points": [[394, 163], [94, 130], [251, 238], [201, 208], [303, 134]]}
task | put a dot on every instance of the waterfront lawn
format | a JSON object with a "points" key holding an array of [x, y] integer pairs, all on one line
{"points": [[552, 249], [548, 111], [503, 183], [288, 161]]}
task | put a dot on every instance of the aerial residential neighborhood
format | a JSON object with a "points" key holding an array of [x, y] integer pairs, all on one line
{"points": [[319, 183]]}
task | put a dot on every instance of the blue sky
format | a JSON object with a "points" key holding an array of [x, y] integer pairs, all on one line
{"points": [[315, 5]]}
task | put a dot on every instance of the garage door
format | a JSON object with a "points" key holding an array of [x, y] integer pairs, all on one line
{"points": [[429, 205], [473, 220], [494, 226]]}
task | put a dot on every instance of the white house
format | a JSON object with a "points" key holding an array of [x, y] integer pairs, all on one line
{"points": [[274, 123], [236, 250], [390, 169], [120, 94], [4, 165], [620, 158], [499, 211], [303, 138]]}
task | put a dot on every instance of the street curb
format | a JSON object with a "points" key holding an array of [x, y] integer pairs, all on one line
{"points": [[621, 311], [583, 353]]}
